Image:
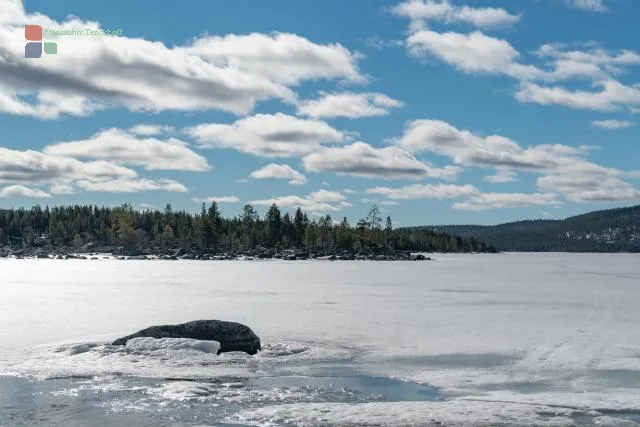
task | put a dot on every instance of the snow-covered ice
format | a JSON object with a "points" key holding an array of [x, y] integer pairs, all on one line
{"points": [[547, 339]]}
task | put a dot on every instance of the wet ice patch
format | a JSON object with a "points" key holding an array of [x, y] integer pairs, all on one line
{"points": [[358, 386], [159, 358], [98, 385], [282, 349], [162, 347], [245, 393], [453, 412], [73, 349], [625, 401], [298, 352], [407, 413], [171, 358], [183, 391]]}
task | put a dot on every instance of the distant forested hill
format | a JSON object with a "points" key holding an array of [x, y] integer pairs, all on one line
{"points": [[615, 230]]}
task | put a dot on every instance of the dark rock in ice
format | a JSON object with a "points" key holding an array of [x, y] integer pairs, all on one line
{"points": [[178, 252], [232, 336]]}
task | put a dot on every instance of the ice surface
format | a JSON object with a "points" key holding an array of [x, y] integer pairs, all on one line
{"points": [[508, 338], [162, 346], [410, 413]]}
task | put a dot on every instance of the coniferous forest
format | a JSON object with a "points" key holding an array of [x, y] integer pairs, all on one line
{"points": [[126, 230], [613, 230]]}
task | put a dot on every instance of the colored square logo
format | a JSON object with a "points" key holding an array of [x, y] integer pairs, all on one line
{"points": [[50, 48], [33, 50], [33, 32]]}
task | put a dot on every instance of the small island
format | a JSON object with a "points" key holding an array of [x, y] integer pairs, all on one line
{"points": [[65, 231]]}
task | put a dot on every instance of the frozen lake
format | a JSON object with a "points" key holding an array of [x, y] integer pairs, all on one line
{"points": [[544, 339]]}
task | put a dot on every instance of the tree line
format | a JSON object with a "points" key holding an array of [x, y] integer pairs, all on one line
{"points": [[79, 226]]}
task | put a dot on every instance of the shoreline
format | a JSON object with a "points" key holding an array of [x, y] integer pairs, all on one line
{"points": [[222, 257]]}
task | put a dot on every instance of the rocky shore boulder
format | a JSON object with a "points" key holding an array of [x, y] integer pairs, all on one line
{"points": [[232, 336]]}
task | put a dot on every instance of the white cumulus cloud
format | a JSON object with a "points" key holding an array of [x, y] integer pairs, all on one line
{"points": [[34, 167], [132, 185], [230, 73], [578, 187], [22, 191], [62, 189], [144, 129], [267, 135], [493, 151], [609, 95], [121, 147], [502, 176], [589, 5], [217, 199], [323, 195], [321, 201], [445, 11], [276, 171], [280, 57], [474, 52], [361, 159], [612, 124], [487, 201], [425, 191], [348, 104]]}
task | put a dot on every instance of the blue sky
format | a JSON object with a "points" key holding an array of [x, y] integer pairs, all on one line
{"points": [[438, 111]]}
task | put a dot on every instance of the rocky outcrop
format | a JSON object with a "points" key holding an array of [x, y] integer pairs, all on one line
{"points": [[232, 336], [207, 255]]}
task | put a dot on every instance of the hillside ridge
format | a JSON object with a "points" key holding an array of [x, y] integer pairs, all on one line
{"points": [[610, 230]]}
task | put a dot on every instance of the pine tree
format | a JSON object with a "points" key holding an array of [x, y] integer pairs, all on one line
{"points": [[168, 237], [373, 218], [78, 242], [388, 226], [299, 223], [214, 222], [288, 231], [273, 222], [123, 224], [388, 232], [249, 219]]}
